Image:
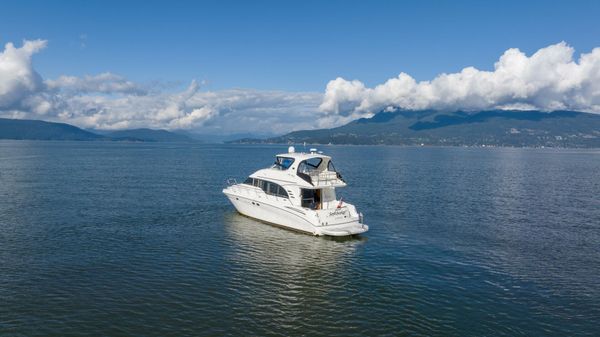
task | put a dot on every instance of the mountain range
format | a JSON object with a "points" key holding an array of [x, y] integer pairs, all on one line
{"points": [[41, 130], [396, 127], [482, 128]]}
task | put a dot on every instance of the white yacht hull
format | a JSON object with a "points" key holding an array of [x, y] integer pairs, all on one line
{"points": [[278, 211], [266, 212]]}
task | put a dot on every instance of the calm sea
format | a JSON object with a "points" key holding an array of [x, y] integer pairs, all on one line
{"points": [[111, 238]]}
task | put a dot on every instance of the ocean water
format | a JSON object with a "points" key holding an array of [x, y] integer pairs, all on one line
{"points": [[111, 238]]}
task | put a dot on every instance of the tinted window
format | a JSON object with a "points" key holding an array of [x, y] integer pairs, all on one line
{"points": [[284, 162], [271, 188], [314, 162], [282, 192], [249, 181], [309, 165]]}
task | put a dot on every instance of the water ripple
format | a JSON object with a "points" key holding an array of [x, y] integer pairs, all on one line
{"points": [[136, 239]]}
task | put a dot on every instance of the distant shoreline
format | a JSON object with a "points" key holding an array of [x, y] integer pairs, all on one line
{"points": [[298, 146]]}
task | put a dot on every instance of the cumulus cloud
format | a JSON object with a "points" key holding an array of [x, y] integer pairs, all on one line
{"points": [[550, 79], [18, 79], [110, 101], [171, 111]]}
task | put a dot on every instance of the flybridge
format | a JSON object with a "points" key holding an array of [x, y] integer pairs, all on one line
{"points": [[314, 168]]}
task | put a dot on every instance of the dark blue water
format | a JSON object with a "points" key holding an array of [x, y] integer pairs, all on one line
{"points": [[107, 238]]}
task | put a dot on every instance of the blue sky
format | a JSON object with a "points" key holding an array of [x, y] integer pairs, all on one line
{"points": [[290, 45], [276, 66]]}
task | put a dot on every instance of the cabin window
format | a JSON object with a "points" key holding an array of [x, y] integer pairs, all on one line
{"points": [[265, 186], [284, 163], [282, 192], [271, 188], [249, 181]]}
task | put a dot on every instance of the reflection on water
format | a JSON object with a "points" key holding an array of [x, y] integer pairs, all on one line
{"points": [[266, 246], [295, 259], [286, 270]]}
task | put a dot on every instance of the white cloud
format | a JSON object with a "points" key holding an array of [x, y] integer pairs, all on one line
{"points": [[18, 79], [102, 83], [110, 101], [550, 79], [226, 111]]}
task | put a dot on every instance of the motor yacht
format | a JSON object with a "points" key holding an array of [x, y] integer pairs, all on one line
{"points": [[298, 192]]}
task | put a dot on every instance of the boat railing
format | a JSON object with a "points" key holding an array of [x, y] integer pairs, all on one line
{"points": [[231, 181]]}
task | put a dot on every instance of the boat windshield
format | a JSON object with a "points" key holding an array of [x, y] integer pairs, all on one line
{"points": [[309, 165], [283, 163]]}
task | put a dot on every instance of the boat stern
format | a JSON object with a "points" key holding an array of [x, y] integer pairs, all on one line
{"points": [[354, 228], [340, 221]]}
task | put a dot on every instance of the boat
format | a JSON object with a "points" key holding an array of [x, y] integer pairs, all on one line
{"points": [[298, 192]]}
